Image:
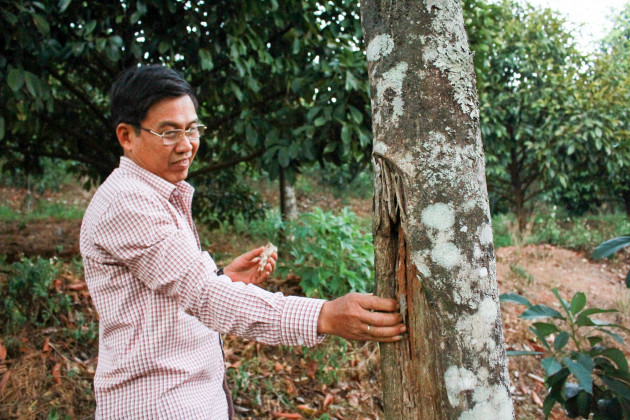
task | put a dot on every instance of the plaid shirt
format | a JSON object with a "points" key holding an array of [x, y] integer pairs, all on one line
{"points": [[162, 306]]}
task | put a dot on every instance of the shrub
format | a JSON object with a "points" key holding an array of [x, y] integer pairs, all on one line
{"points": [[331, 253], [602, 375], [26, 295]]}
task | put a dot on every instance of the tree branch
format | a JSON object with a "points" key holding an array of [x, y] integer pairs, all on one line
{"points": [[227, 163], [81, 96]]}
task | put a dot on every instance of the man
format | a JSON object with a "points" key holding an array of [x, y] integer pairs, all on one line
{"points": [[162, 302]]}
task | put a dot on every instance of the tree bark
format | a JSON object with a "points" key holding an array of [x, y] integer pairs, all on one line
{"points": [[288, 202], [432, 230]]}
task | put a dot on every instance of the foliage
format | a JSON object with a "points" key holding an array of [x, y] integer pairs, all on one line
{"points": [[611, 246], [553, 226], [600, 122], [280, 84], [25, 295], [602, 375], [330, 253], [526, 64]]}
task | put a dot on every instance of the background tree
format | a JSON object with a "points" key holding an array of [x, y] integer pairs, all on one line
{"points": [[527, 67], [281, 84], [432, 233], [600, 125]]}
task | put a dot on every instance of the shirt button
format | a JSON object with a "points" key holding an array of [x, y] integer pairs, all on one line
{"points": [[300, 342]]}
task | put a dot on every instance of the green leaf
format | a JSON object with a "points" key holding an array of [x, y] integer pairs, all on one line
{"points": [[551, 366], [515, 298], [206, 59], [32, 83], [511, 353], [356, 114], [578, 302], [545, 328], [63, 5], [617, 337], [319, 121], [628, 280], [581, 374], [346, 134], [617, 387], [618, 357], [251, 135], [41, 24], [15, 79], [610, 247], [541, 311], [1, 128], [237, 91], [563, 302], [561, 340]]}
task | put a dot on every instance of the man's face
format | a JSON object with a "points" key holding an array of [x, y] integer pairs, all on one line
{"points": [[148, 151]]}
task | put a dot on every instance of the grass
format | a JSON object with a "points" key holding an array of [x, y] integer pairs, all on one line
{"points": [[43, 209]]}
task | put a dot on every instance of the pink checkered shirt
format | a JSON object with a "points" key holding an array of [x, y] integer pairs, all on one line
{"points": [[162, 306]]}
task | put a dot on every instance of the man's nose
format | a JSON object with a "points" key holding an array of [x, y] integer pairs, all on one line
{"points": [[184, 145]]}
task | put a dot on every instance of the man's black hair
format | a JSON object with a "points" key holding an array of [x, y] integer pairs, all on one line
{"points": [[136, 89]]}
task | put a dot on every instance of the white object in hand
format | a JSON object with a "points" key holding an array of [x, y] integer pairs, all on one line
{"points": [[264, 257]]}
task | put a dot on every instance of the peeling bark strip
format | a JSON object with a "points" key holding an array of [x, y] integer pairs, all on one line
{"points": [[432, 232]]}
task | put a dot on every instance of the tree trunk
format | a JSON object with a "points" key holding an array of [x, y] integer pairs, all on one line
{"points": [[288, 202], [432, 230]]}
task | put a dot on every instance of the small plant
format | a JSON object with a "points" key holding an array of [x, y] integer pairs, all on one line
{"points": [[603, 379], [25, 295], [331, 253], [611, 246]]}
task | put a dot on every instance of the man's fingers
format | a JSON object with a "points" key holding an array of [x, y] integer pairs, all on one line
{"points": [[378, 303], [380, 319], [249, 255]]}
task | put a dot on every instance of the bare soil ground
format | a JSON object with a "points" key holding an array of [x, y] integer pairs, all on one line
{"points": [[339, 379]]}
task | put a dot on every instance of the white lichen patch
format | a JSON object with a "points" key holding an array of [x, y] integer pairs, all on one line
{"points": [[446, 254], [485, 234], [491, 402], [439, 216], [450, 166], [483, 272], [380, 148], [389, 93], [464, 229], [477, 329], [458, 380], [420, 261], [380, 47], [448, 50]]}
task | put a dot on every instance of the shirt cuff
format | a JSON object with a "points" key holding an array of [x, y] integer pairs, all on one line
{"points": [[299, 321]]}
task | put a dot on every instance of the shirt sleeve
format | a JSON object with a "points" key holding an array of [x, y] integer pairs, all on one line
{"points": [[141, 233]]}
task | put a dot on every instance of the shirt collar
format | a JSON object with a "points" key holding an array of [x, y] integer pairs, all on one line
{"points": [[162, 186]]}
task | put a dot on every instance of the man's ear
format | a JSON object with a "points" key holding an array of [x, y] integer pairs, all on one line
{"points": [[125, 133]]}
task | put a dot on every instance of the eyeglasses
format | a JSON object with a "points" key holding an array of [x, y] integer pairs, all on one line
{"points": [[172, 137]]}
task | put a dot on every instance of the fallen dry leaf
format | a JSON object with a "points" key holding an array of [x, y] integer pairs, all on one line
{"points": [[46, 347], [306, 409], [3, 353], [5, 380], [56, 373], [280, 414], [537, 399], [328, 400]]}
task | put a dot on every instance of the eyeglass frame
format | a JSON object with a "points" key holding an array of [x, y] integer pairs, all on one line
{"points": [[178, 130]]}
